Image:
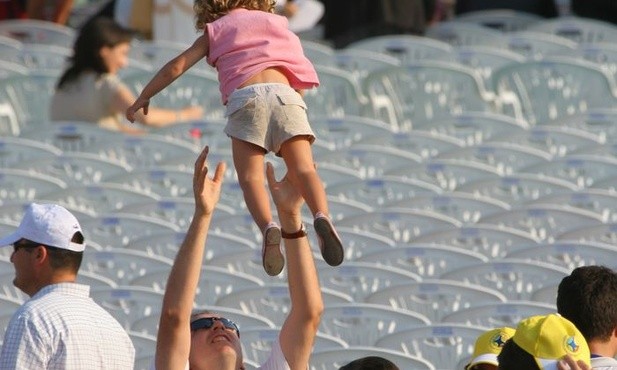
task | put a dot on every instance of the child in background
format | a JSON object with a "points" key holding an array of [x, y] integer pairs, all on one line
{"points": [[262, 73]]}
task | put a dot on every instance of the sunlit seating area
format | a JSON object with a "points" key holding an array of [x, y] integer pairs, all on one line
{"points": [[468, 171]]}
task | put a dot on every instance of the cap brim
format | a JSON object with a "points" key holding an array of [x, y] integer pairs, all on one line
{"points": [[10, 239], [488, 358]]}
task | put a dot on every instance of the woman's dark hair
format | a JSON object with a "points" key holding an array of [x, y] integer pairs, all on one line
{"points": [[93, 36]]}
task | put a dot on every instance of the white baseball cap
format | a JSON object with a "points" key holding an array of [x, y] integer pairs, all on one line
{"points": [[48, 224]]}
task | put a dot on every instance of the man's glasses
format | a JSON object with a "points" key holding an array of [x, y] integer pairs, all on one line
{"points": [[208, 322]]}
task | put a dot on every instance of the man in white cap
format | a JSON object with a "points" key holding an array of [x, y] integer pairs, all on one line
{"points": [[60, 326]]}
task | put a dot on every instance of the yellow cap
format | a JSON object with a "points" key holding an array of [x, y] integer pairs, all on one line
{"points": [[549, 338], [488, 346]]}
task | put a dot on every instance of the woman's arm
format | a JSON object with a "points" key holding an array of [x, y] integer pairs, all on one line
{"points": [[173, 342], [168, 74], [300, 327]]}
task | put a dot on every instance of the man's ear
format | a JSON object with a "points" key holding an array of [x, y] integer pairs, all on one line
{"points": [[41, 254]]}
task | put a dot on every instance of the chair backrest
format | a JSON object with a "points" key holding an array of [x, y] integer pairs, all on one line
{"points": [[578, 29], [435, 298], [490, 240], [516, 279], [26, 185], [536, 45], [463, 33], [362, 324], [500, 314], [30, 95], [33, 31], [128, 304], [425, 91], [442, 344], [541, 91], [582, 170], [505, 20], [425, 260], [406, 48]]}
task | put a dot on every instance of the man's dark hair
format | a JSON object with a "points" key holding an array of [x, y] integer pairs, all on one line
{"points": [[588, 298], [370, 363], [63, 259], [513, 357]]}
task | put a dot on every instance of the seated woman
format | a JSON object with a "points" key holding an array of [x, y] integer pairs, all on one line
{"points": [[90, 89]]}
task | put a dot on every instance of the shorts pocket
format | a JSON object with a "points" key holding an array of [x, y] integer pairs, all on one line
{"points": [[291, 99], [237, 104]]}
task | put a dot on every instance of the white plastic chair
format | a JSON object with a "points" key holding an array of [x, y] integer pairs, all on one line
{"points": [[25, 185], [465, 207], [463, 33], [435, 298], [318, 53], [447, 174], [360, 279], [371, 161], [516, 279], [256, 343], [496, 315], [442, 344], [272, 301], [166, 243], [337, 357], [602, 202], [582, 170], [214, 282], [163, 182], [540, 91], [100, 198], [484, 59], [30, 95], [71, 136], [45, 57], [475, 127], [597, 121], [578, 29], [518, 188], [555, 140], [198, 133], [342, 132], [156, 52], [362, 324], [22, 152], [426, 260], [425, 91], [490, 240], [128, 304], [333, 174], [360, 62], [8, 306], [339, 94], [402, 225], [379, 191], [536, 45], [33, 31], [605, 233], [568, 254], [506, 158], [79, 168], [426, 144], [505, 20], [121, 265], [406, 48], [544, 222]]}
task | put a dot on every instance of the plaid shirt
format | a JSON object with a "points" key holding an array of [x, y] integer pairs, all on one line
{"points": [[61, 327]]}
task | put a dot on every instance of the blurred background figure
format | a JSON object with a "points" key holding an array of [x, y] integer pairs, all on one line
{"points": [[543, 8], [90, 89], [56, 11]]}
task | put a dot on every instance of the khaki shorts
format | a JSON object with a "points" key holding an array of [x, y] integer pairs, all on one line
{"points": [[267, 115]]}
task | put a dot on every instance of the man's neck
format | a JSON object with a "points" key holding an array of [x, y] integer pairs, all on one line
{"points": [[603, 349]]}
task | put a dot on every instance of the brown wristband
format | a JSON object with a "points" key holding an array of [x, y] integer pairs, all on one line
{"points": [[295, 235]]}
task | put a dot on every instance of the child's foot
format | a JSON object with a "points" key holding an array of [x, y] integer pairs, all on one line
{"points": [[271, 254], [329, 241]]}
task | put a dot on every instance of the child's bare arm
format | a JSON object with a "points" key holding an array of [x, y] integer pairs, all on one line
{"points": [[168, 74]]}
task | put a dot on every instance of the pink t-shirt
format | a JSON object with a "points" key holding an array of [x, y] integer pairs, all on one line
{"points": [[246, 42]]}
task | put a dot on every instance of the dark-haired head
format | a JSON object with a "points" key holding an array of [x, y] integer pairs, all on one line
{"points": [[94, 35]]}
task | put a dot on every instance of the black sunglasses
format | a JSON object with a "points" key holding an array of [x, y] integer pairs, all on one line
{"points": [[208, 322]]}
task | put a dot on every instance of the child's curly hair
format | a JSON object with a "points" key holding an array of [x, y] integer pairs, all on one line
{"points": [[207, 11]]}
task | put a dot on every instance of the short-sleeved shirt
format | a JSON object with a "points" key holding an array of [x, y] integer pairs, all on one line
{"points": [[89, 99], [245, 42], [62, 328]]}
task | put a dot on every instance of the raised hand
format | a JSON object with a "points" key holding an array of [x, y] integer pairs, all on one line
{"points": [[133, 109], [207, 191], [286, 198]]}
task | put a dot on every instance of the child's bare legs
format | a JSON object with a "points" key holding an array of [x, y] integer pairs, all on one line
{"points": [[301, 171], [249, 163]]}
